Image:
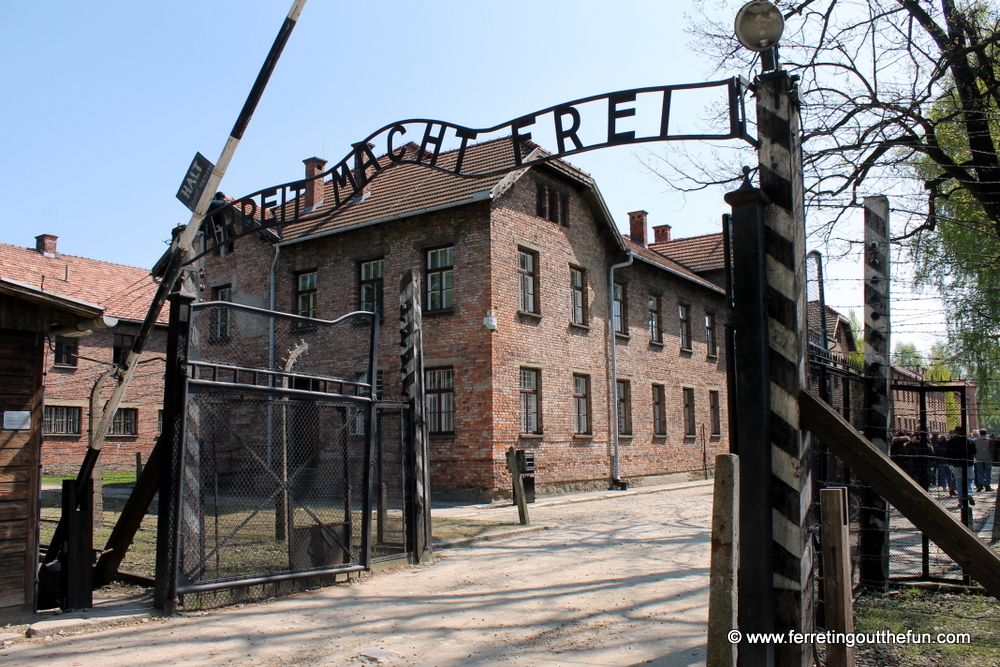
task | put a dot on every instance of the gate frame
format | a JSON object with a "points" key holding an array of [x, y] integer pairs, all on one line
{"points": [[167, 590]]}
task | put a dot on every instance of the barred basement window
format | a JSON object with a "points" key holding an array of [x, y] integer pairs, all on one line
{"points": [[126, 422], [61, 420]]}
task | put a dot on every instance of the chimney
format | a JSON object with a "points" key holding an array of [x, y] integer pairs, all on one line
{"points": [[637, 226], [46, 244], [661, 233], [314, 189]]}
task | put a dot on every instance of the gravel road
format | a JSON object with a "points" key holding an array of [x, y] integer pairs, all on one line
{"points": [[614, 579]]}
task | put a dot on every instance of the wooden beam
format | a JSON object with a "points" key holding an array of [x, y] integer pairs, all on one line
{"points": [[837, 585], [146, 486], [722, 592], [889, 480]]}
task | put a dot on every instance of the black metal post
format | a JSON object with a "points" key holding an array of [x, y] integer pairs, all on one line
{"points": [[366, 526], [752, 406], [78, 550], [174, 428], [873, 519]]}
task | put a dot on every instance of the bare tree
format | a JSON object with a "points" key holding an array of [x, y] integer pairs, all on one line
{"points": [[873, 75]]}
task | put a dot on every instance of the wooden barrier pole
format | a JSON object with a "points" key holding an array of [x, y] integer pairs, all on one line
{"points": [[837, 585], [722, 592]]}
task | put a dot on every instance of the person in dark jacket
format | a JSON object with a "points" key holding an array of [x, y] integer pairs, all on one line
{"points": [[961, 452]]}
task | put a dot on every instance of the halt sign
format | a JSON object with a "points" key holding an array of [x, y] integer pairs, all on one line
{"points": [[195, 180]]}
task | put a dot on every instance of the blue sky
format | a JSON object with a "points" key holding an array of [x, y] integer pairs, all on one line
{"points": [[105, 103]]}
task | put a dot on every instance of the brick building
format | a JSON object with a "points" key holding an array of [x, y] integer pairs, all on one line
{"points": [[518, 317], [73, 362]]}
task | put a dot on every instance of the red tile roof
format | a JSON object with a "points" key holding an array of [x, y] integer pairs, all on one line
{"points": [[124, 292], [654, 257], [407, 189], [698, 253]]}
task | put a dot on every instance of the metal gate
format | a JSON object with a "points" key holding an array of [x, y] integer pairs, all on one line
{"points": [[279, 441]]}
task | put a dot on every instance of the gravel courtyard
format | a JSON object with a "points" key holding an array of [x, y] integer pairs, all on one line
{"points": [[612, 579]]}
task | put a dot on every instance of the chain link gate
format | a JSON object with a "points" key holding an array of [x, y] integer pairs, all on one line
{"points": [[279, 442]]}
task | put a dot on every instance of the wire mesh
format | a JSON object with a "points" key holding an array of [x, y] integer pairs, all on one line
{"points": [[276, 477], [840, 379]]}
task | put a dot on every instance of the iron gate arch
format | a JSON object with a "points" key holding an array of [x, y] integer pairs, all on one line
{"points": [[278, 440]]}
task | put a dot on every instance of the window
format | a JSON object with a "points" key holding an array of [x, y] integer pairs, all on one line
{"points": [[655, 329], [439, 391], [714, 412], [61, 420], [371, 285], [551, 204], [120, 348], [581, 404], [305, 294], [224, 316], [527, 267], [66, 351], [623, 392], [440, 280], [530, 422], [125, 422], [710, 338], [659, 410], [689, 425], [684, 314], [578, 294], [620, 309], [159, 422]]}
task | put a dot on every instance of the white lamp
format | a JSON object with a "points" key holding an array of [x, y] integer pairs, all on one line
{"points": [[759, 25]]}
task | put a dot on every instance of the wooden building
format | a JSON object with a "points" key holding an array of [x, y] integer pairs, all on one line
{"points": [[28, 315]]}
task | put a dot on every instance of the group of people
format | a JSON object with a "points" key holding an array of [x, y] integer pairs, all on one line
{"points": [[944, 459]]}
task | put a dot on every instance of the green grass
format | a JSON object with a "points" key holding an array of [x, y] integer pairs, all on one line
{"points": [[110, 478], [922, 611]]}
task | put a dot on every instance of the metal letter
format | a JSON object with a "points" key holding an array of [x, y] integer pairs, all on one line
{"points": [[614, 113]]}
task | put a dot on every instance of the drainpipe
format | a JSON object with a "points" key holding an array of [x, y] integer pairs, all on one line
{"points": [[613, 387]]}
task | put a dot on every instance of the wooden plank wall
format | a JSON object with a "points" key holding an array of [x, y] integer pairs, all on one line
{"points": [[20, 456]]}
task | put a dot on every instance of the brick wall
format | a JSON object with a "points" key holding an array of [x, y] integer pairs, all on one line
{"points": [[559, 349], [71, 387], [486, 238]]}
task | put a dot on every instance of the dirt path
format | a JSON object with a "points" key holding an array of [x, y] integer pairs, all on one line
{"points": [[614, 582]]}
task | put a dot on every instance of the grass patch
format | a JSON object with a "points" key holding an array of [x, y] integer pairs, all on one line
{"points": [[931, 612], [110, 479]]}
